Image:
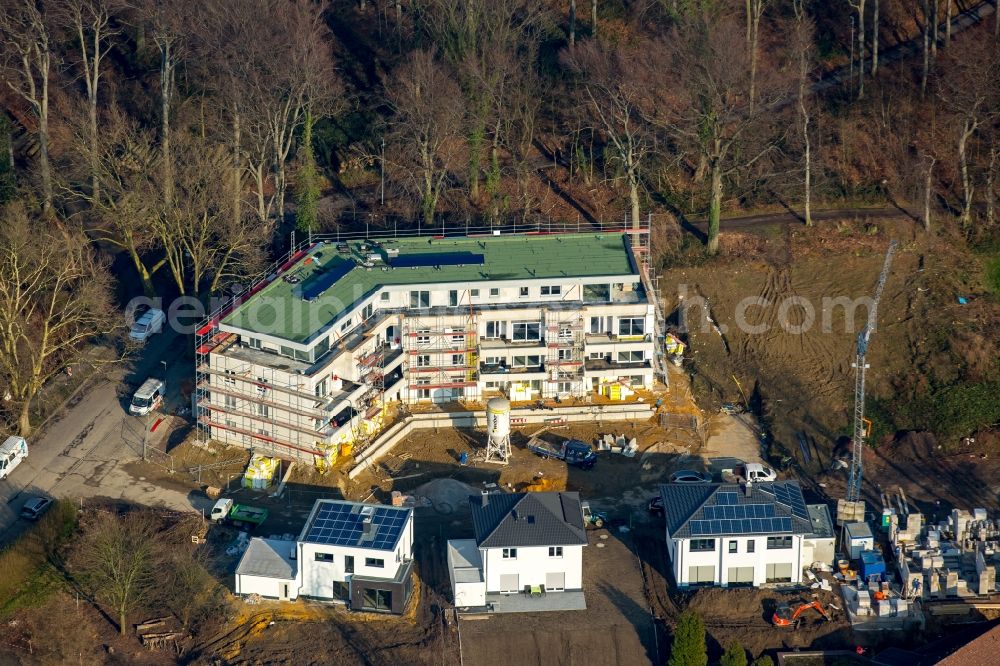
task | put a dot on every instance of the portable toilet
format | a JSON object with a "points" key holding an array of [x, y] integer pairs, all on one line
{"points": [[872, 564], [857, 538]]}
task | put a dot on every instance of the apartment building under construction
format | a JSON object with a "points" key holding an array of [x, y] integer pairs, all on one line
{"points": [[308, 358]]}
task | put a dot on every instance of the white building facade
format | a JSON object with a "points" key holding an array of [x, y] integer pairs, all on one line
{"points": [[311, 356], [526, 543], [725, 535], [359, 554]]}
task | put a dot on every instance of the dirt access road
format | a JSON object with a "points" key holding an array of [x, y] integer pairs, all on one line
{"points": [[82, 453]]}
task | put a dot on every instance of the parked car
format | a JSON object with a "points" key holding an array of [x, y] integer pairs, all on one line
{"points": [[147, 325], [148, 397], [35, 507], [12, 452], [689, 476], [655, 506], [755, 473]]}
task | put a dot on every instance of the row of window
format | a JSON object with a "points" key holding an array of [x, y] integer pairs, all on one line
{"points": [[422, 299], [773, 543], [374, 562], [511, 553]]}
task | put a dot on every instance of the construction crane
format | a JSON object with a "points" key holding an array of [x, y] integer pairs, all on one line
{"points": [[860, 368]]}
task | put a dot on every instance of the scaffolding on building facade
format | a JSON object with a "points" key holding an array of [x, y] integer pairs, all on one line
{"points": [[442, 356]]}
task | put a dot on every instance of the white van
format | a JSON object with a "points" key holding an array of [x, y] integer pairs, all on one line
{"points": [[148, 398], [12, 452], [149, 324]]}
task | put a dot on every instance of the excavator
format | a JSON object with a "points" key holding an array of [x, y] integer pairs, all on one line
{"points": [[786, 616]]}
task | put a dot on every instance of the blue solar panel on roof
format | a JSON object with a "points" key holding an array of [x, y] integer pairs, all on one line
{"points": [[438, 259], [343, 525], [727, 498], [316, 285]]}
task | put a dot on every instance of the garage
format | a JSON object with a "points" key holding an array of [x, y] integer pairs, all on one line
{"points": [[740, 576], [779, 572], [555, 582], [701, 575], [509, 584]]}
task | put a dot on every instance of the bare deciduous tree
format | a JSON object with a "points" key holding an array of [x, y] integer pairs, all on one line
{"points": [[117, 561], [755, 10], [90, 23], [612, 84], [425, 126], [803, 45], [55, 296], [28, 70], [859, 7], [703, 104]]}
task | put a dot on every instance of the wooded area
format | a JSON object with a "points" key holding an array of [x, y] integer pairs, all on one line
{"points": [[187, 139]]}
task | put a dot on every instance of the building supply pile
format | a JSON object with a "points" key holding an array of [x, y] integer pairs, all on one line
{"points": [[674, 349], [260, 472], [618, 444], [957, 556]]}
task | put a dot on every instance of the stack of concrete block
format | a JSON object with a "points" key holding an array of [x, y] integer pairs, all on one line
{"points": [[933, 538], [951, 583], [883, 608], [900, 606], [934, 583], [959, 522]]}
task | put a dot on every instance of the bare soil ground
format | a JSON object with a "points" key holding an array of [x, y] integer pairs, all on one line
{"points": [[799, 376]]}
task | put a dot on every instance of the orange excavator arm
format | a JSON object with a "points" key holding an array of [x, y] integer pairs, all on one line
{"points": [[815, 605]]}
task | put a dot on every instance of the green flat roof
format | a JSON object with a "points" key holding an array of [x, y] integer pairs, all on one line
{"points": [[280, 311]]}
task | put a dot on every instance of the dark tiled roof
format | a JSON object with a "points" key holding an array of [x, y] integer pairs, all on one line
{"points": [[511, 520], [684, 503]]}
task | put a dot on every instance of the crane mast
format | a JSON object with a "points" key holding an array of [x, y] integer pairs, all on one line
{"points": [[864, 337]]}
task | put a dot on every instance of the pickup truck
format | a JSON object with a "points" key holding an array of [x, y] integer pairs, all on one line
{"points": [[573, 451], [752, 472], [240, 515]]}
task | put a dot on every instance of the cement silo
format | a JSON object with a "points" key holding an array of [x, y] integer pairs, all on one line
{"points": [[498, 430]]}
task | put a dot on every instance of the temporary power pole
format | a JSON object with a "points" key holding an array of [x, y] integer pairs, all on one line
{"points": [[860, 366]]}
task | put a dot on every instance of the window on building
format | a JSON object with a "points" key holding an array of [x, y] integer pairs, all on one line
{"points": [[474, 293], [254, 342], [565, 334], [423, 336], [551, 290], [230, 401], [496, 329], [322, 347], [380, 600], [733, 546], [596, 292], [565, 354], [320, 389], [367, 312], [778, 572], [779, 542], [493, 360], [420, 299], [564, 387], [345, 326], [260, 410], [630, 357], [510, 553], [525, 361], [423, 360], [375, 562], [596, 356], [751, 545], [384, 297], [324, 557], [523, 292], [631, 326], [555, 551], [458, 359], [702, 545], [286, 351], [535, 384], [453, 297], [524, 331], [494, 291]]}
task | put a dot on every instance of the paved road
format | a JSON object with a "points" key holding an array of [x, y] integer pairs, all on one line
{"points": [[82, 454]]}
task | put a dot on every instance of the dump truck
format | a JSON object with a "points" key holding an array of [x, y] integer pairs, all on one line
{"points": [[240, 515], [573, 451]]}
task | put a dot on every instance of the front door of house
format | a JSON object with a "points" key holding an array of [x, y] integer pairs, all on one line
{"points": [[348, 564]]}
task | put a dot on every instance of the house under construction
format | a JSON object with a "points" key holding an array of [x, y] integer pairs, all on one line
{"points": [[305, 361]]}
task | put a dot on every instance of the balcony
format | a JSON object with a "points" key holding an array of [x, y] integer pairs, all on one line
{"points": [[594, 364]]}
